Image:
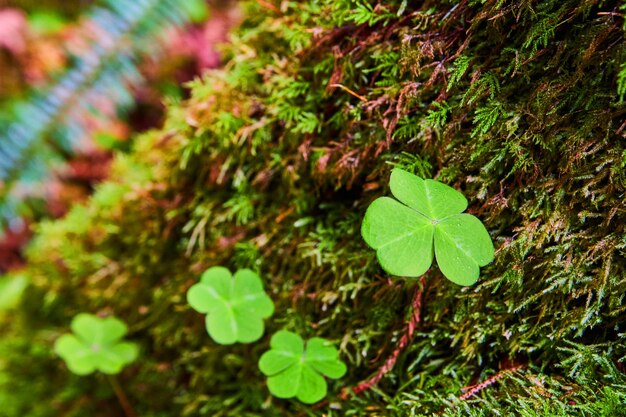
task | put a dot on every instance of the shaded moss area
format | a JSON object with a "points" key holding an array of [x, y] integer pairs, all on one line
{"points": [[271, 164]]}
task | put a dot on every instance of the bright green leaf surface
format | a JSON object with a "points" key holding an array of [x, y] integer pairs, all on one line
{"points": [[95, 345], [96, 329], [295, 369], [403, 240], [11, 289], [428, 218], [312, 386], [235, 306], [462, 245], [197, 10], [323, 358], [46, 22], [432, 198]]}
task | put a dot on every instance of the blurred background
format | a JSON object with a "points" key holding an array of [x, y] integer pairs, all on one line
{"points": [[77, 80]]}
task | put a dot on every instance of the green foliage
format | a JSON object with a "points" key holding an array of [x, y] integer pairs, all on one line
{"points": [[621, 83], [95, 345], [11, 289], [197, 10], [485, 118], [459, 68], [403, 232], [235, 305], [295, 369], [486, 85], [365, 13], [438, 116], [46, 22]]}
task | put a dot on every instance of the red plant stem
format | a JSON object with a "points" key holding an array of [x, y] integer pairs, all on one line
{"points": [[475, 389], [269, 5], [347, 90], [402, 343], [122, 398]]}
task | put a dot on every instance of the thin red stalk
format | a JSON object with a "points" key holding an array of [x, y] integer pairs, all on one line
{"points": [[347, 90], [475, 389], [407, 336], [122, 398], [269, 5]]}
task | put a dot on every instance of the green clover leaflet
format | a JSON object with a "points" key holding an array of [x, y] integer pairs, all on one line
{"points": [[295, 369], [95, 345], [235, 306], [427, 220]]}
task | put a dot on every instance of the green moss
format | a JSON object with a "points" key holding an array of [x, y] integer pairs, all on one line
{"points": [[271, 164]]}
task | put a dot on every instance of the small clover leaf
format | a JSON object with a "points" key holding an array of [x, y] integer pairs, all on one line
{"points": [[295, 370], [427, 220], [235, 306], [95, 345]]}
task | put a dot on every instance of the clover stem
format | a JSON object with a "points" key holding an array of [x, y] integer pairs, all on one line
{"points": [[411, 325], [121, 397]]}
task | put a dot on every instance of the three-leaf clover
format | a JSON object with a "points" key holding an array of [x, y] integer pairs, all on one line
{"points": [[295, 370], [427, 218], [235, 306], [95, 345]]}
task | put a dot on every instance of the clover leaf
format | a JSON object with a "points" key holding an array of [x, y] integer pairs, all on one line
{"points": [[295, 370], [427, 219], [95, 345], [235, 306]]}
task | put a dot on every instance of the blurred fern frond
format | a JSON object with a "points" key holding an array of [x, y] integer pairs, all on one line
{"points": [[117, 34]]}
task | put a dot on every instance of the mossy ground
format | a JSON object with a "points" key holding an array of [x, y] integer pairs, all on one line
{"points": [[271, 164]]}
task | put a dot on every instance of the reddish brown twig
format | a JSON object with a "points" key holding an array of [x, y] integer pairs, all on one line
{"points": [[347, 90], [402, 343], [269, 5], [121, 396], [475, 389]]}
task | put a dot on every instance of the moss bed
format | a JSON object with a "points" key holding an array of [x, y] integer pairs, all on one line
{"points": [[271, 164]]}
